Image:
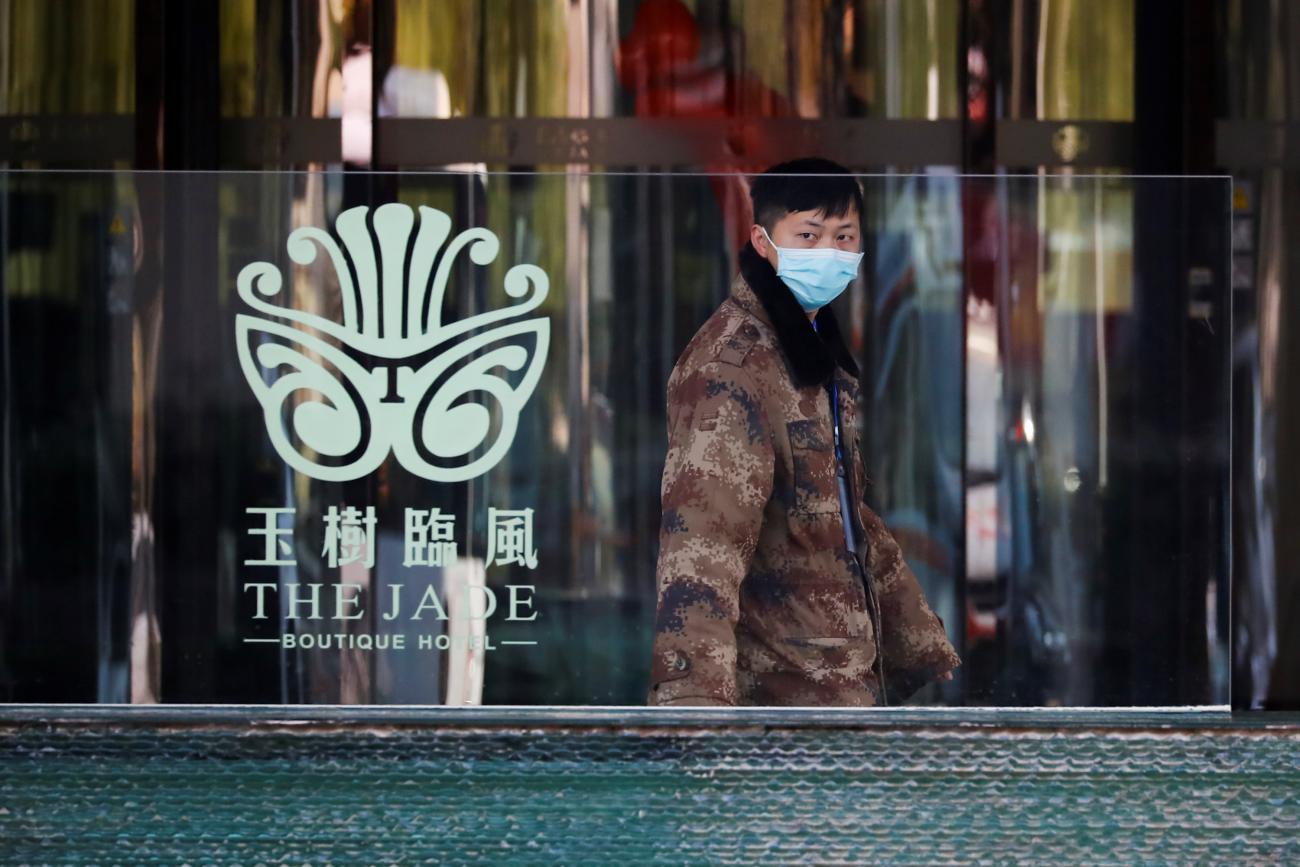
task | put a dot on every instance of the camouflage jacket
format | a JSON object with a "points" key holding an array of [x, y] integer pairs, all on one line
{"points": [[760, 601]]}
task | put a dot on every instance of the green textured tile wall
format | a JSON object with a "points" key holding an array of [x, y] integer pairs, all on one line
{"points": [[911, 790]]}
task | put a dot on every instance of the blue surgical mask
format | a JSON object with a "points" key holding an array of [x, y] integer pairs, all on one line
{"points": [[814, 275]]}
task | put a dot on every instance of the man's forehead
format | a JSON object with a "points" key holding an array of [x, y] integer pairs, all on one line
{"points": [[818, 218]]}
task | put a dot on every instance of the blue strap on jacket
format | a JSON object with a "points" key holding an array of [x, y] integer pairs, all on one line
{"points": [[845, 513]]}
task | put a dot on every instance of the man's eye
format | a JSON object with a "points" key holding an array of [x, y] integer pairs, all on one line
{"points": [[807, 236]]}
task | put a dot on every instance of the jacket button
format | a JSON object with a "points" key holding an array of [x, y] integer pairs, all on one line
{"points": [[680, 662]]}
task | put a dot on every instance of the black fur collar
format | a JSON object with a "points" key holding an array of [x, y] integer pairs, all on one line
{"points": [[811, 352]]}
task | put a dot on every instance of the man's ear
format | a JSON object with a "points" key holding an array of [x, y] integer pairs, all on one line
{"points": [[762, 245]]}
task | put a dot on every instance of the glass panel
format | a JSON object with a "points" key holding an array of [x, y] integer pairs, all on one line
{"points": [[1086, 60], [1065, 61], [722, 86], [1259, 107], [68, 83], [260, 428], [76, 57], [912, 394], [286, 59], [666, 58]]}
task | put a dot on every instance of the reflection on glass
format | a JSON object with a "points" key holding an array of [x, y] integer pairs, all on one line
{"points": [[908, 335], [1085, 60], [670, 58], [1070, 333], [284, 59], [1260, 63], [76, 57], [1068, 61], [160, 548]]}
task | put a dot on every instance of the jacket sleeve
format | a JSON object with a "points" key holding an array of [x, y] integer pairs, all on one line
{"points": [[717, 479], [916, 646]]}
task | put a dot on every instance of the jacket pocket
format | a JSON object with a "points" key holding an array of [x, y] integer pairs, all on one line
{"points": [[814, 477], [830, 659], [814, 514]]}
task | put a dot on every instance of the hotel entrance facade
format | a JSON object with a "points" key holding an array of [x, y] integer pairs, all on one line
{"points": [[336, 338]]}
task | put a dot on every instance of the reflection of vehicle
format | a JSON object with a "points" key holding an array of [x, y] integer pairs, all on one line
{"points": [[1017, 641], [1032, 642], [1015, 644], [913, 404], [942, 493]]}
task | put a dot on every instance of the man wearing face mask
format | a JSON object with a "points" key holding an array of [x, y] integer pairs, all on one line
{"points": [[777, 584]]}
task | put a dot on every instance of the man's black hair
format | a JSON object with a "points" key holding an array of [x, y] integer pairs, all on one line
{"points": [[829, 188]]}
